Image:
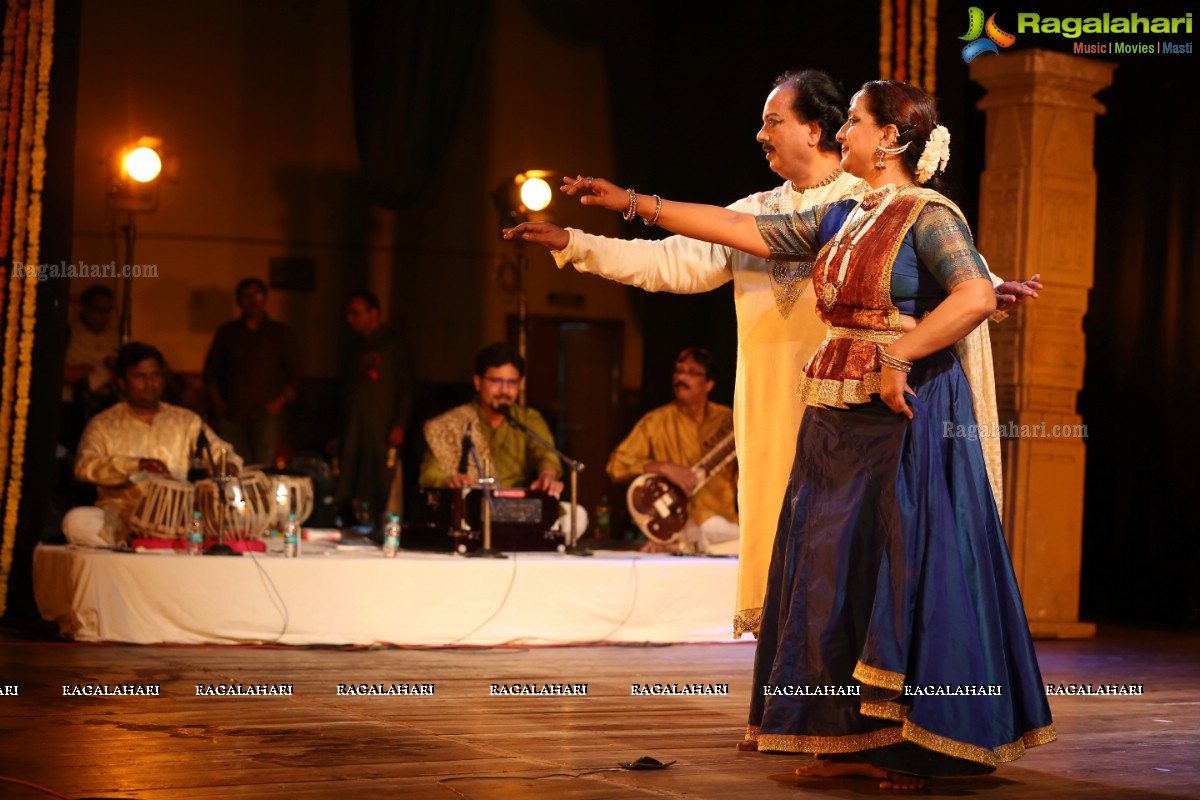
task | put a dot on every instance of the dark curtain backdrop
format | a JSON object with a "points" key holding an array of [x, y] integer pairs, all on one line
{"points": [[412, 61], [1141, 552]]}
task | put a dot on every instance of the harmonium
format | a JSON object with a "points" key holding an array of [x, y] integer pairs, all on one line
{"points": [[451, 520]]}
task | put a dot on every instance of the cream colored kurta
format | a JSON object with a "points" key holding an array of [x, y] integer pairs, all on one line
{"points": [[772, 352], [115, 441]]}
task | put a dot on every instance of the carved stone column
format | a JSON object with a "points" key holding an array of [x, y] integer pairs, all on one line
{"points": [[1037, 214]]}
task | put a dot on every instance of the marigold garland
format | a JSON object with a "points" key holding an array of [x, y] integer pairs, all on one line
{"points": [[26, 209], [13, 93]]}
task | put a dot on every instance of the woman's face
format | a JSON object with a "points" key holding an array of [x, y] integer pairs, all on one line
{"points": [[859, 137]]}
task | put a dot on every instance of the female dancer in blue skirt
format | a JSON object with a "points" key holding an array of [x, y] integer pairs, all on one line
{"points": [[893, 637]]}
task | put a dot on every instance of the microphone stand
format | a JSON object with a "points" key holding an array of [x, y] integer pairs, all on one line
{"points": [[220, 548], [486, 482], [576, 467]]}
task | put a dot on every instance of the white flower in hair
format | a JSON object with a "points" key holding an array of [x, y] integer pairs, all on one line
{"points": [[935, 155]]}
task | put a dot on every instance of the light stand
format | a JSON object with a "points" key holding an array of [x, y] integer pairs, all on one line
{"points": [[576, 467], [125, 328]]}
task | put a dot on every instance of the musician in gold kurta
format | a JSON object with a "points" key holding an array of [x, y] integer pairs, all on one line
{"points": [[672, 438]]}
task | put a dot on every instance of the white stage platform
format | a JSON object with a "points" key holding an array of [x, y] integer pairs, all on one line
{"points": [[335, 597]]}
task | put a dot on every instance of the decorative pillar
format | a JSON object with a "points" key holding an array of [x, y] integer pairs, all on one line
{"points": [[1037, 214]]}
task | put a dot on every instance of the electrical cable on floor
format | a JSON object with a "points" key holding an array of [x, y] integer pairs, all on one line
{"points": [[20, 782], [512, 580], [632, 606], [444, 781], [276, 596], [51, 792]]}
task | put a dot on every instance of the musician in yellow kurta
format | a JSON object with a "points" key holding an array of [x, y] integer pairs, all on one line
{"points": [[670, 439]]}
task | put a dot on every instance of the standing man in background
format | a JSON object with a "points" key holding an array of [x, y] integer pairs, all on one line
{"points": [[376, 402], [251, 372]]}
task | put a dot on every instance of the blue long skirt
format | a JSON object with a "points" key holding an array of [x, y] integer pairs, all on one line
{"points": [[893, 627]]}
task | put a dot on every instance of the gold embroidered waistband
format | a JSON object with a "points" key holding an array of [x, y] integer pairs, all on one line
{"points": [[861, 335]]}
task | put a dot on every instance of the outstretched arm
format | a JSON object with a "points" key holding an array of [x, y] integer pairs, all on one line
{"points": [[708, 223]]}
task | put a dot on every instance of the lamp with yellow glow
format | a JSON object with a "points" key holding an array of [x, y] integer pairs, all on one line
{"points": [[525, 197], [137, 173], [138, 169]]}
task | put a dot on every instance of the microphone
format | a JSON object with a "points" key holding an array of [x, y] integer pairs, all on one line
{"points": [[203, 448], [512, 420], [464, 459]]}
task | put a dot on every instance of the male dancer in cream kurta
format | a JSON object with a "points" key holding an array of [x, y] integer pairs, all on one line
{"points": [[777, 325], [778, 328]]}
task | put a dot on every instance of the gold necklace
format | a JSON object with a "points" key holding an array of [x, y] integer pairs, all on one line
{"points": [[869, 209], [830, 178]]}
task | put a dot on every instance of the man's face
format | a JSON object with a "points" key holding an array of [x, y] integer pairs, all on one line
{"points": [[498, 386], [786, 140], [95, 317], [690, 381], [143, 384], [361, 318], [252, 300]]}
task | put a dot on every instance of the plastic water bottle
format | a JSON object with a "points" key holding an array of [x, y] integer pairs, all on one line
{"points": [[291, 537], [195, 535], [603, 518], [391, 536]]}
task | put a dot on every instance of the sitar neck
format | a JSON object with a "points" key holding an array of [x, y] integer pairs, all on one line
{"points": [[714, 460]]}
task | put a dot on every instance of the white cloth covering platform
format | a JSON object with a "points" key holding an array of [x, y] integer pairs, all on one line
{"points": [[334, 596]]}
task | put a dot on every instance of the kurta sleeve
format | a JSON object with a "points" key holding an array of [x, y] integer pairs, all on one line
{"points": [[96, 462], [432, 475], [676, 264], [629, 459], [219, 446]]}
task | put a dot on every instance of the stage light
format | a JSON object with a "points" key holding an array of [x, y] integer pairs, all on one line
{"points": [[524, 197], [143, 164], [536, 194], [136, 171]]}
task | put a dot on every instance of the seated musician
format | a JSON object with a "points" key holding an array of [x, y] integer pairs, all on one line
{"points": [[138, 437], [512, 457], [671, 439]]}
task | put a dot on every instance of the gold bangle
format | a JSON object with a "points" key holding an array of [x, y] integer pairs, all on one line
{"points": [[657, 210]]}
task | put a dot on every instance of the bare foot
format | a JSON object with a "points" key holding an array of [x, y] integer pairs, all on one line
{"points": [[901, 780], [839, 769], [747, 745]]}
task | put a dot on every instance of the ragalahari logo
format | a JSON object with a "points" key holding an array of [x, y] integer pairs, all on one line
{"points": [[976, 28]]}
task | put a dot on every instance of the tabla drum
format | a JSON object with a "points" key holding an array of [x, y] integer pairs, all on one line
{"points": [[242, 506], [164, 510], [290, 494]]}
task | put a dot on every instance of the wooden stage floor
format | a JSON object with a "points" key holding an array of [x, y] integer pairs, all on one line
{"points": [[462, 742]]}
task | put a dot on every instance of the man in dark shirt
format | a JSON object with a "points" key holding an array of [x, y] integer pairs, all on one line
{"points": [[251, 372], [376, 400]]}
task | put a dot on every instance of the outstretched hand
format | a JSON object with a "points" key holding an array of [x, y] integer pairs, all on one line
{"points": [[544, 233], [596, 192], [1010, 293]]}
